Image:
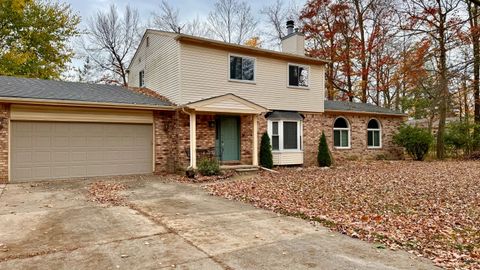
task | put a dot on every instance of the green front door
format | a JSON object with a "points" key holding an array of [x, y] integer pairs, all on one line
{"points": [[228, 138]]}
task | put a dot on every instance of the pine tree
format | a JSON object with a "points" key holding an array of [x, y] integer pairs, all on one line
{"points": [[324, 159], [266, 159]]}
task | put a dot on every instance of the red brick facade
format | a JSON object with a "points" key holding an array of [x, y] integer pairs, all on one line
{"points": [[172, 138], [314, 124], [4, 121], [173, 132]]}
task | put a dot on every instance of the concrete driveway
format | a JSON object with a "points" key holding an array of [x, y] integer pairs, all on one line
{"points": [[168, 225]]}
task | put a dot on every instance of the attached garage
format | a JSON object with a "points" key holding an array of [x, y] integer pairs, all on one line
{"points": [[53, 150], [58, 130]]}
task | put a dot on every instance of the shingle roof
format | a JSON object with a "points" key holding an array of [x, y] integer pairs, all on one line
{"points": [[23, 88], [345, 106], [284, 115]]}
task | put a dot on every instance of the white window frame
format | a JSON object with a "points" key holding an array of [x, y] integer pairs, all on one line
{"points": [[379, 129], [254, 68], [280, 135], [288, 76], [340, 129], [141, 78]]}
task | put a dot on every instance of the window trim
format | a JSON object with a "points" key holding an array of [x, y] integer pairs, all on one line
{"points": [[288, 76], [348, 128], [379, 129], [141, 78], [254, 81], [280, 135]]}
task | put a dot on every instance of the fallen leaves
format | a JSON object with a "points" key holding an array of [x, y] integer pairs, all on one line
{"points": [[429, 208], [107, 193], [205, 179]]}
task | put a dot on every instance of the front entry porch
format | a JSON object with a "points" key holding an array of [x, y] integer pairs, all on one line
{"points": [[224, 128]]}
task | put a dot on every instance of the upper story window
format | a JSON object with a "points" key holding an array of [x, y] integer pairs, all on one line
{"points": [[141, 78], [242, 68], [298, 75]]}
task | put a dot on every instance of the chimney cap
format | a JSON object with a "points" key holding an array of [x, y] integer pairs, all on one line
{"points": [[290, 25]]}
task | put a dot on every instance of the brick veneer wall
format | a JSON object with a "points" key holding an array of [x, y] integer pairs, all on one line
{"points": [[4, 120], [172, 138], [246, 139], [314, 124], [205, 136], [166, 136]]}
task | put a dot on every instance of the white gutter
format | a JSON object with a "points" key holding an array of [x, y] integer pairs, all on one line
{"points": [[84, 103]]}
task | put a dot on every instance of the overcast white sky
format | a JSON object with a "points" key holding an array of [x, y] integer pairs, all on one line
{"points": [[189, 9]]}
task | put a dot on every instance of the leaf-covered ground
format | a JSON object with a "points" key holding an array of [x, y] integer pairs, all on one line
{"points": [[431, 209]]}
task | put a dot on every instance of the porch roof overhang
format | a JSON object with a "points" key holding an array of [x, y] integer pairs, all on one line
{"points": [[228, 104]]}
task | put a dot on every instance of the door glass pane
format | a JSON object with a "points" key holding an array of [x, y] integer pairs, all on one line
{"points": [[370, 138], [235, 68], [344, 138], [248, 69], [376, 140], [336, 138], [293, 75], [290, 135], [275, 143]]}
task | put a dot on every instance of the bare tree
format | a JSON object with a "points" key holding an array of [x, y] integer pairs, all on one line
{"points": [[196, 27], [232, 21], [276, 15], [111, 40], [167, 18]]}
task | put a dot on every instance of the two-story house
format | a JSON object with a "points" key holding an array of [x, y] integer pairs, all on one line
{"points": [[191, 97], [229, 95]]}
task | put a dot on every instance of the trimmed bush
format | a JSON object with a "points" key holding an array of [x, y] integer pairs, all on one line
{"points": [[266, 158], [415, 140], [209, 167], [324, 159]]}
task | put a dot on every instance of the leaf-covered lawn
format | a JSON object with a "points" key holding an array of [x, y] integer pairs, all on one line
{"points": [[428, 208]]}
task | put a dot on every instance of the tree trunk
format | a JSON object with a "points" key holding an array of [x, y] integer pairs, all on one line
{"points": [[475, 35], [443, 87], [363, 54]]}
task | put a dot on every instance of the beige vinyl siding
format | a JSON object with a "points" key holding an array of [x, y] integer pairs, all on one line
{"points": [[204, 74], [287, 158], [76, 114], [161, 63]]}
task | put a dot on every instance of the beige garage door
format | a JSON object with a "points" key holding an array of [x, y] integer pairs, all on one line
{"points": [[48, 150]]}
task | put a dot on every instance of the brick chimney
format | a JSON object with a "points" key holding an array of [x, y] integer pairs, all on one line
{"points": [[294, 41]]}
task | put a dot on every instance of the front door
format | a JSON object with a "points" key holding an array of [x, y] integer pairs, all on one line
{"points": [[228, 138]]}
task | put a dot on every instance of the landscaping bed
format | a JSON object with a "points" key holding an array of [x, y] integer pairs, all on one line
{"points": [[431, 209]]}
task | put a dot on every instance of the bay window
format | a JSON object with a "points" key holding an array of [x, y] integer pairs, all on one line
{"points": [[286, 135]]}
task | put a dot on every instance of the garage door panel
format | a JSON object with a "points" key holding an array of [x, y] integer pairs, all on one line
{"points": [[44, 150]]}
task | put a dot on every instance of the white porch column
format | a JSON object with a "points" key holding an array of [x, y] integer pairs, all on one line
{"points": [[255, 141], [193, 140]]}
